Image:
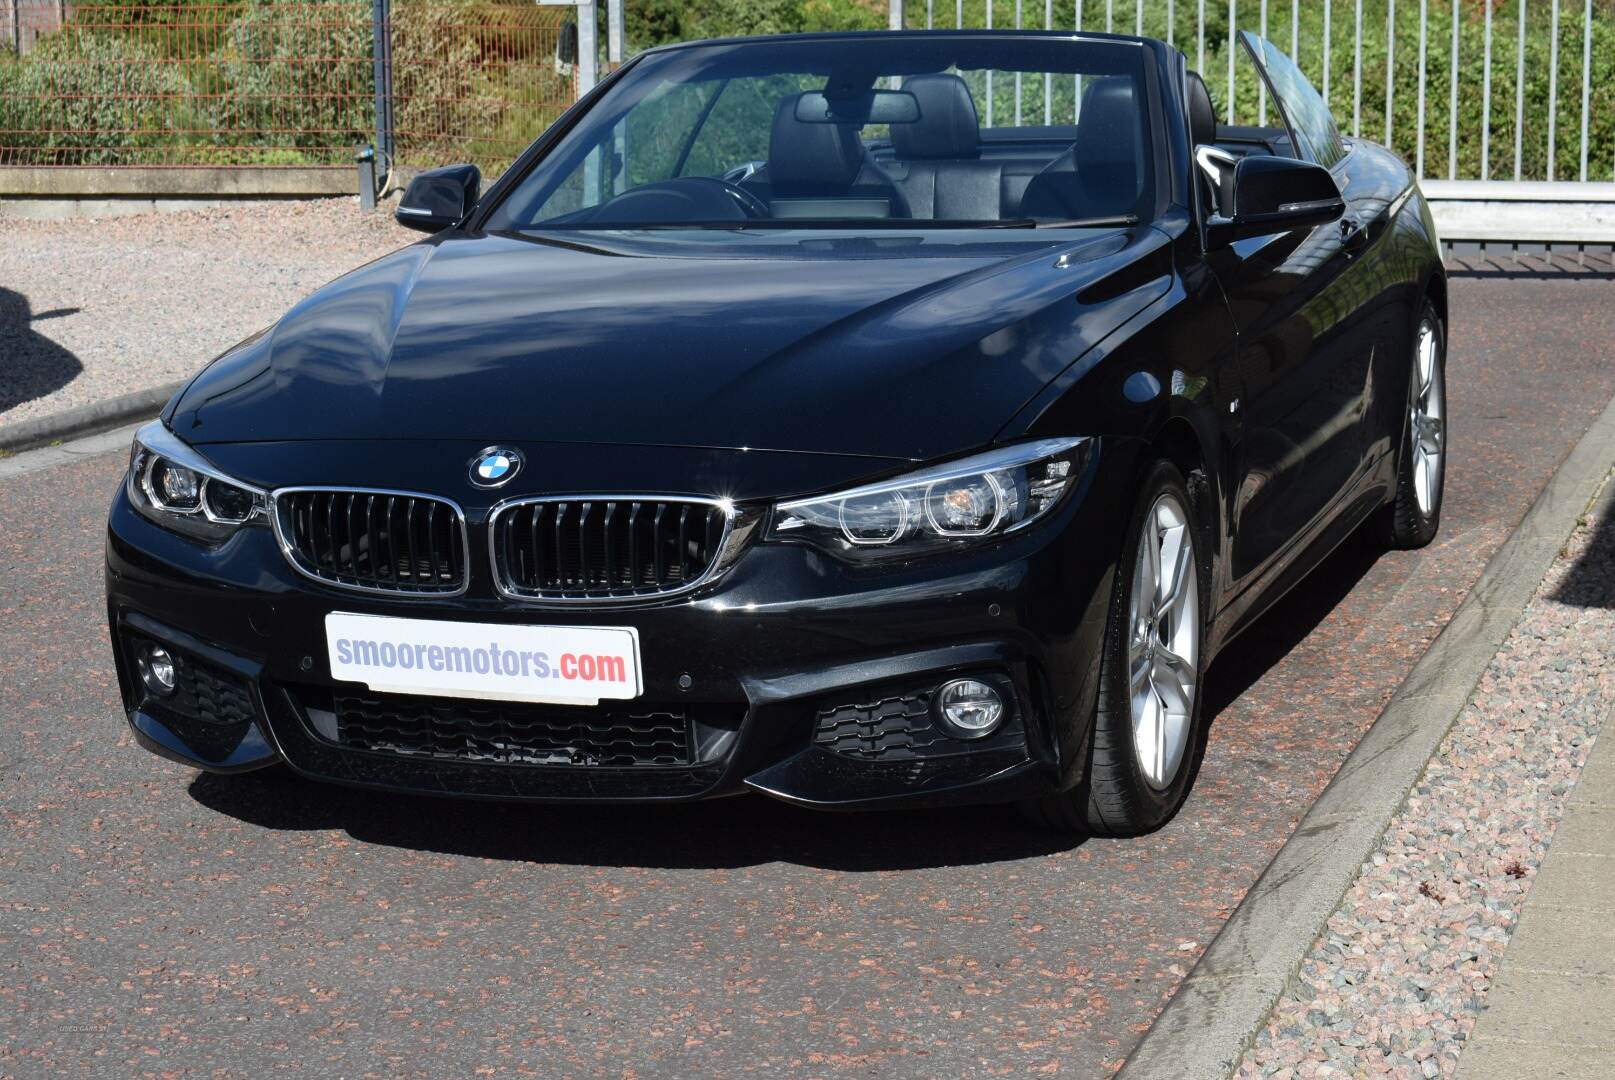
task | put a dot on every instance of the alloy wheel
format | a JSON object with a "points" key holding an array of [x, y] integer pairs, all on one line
{"points": [[1428, 421], [1163, 651]]}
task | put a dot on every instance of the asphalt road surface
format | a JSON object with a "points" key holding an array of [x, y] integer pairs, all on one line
{"points": [[153, 921]]}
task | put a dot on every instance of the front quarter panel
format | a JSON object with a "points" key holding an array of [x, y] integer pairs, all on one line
{"points": [[1164, 384]]}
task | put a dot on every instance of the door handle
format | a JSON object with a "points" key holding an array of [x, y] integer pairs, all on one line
{"points": [[1353, 237]]}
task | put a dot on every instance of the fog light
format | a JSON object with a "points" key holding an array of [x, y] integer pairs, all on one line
{"points": [[969, 708], [156, 668]]}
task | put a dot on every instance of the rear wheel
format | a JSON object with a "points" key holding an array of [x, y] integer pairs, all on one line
{"points": [[1146, 727], [1412, 519]]}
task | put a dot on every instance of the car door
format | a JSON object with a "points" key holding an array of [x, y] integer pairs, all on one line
{"points": [[1303, 359]]}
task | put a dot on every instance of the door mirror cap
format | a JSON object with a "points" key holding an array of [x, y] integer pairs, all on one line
{"points": [[1273, 195], [439, 198]]}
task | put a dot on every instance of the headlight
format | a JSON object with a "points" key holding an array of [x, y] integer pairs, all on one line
{"points": [[969, 501], [176, 487]]}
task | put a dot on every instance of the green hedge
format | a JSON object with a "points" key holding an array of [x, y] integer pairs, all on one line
{"points": [[86, 99], [278, 84]]}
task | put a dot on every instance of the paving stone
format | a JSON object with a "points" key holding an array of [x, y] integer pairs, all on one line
{"points": [[1499, 1059]]}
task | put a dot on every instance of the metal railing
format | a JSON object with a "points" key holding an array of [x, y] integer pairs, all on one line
{"points": [[276, 82], [1463, 89]]}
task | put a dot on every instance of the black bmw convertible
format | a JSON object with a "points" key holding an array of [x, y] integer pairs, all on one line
{"points": [[863, 420]]}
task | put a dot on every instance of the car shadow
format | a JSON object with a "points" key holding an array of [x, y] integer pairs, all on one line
{"points": [[1276, 633], [746, 830], [1508, 261], [1284, 626], [34, 364], [1590, 581]]}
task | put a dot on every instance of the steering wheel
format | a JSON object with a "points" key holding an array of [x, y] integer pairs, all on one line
{"points": [[683, 199], [740, 172], [751, 204]]}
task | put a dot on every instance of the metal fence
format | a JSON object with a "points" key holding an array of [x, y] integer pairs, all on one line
{"points": [[276, 82], [1463, 89]]}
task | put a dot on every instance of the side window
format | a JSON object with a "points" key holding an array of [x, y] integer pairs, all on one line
{"points": [[1308, 116]]}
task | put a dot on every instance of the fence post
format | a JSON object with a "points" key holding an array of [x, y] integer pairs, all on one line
{"points": [[894, 15], [588, 48], [16, 28], [614, 34], [382, 32]]}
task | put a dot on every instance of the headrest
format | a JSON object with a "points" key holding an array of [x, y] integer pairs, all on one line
{"points": [[947, 127], [809, 158], [1202, 113], [1107, 146]]}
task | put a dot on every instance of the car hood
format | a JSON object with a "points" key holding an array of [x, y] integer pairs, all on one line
{"points": [[892, 346]]}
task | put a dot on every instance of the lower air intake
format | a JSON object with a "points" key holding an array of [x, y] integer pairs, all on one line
{"points": [[513, 733]]}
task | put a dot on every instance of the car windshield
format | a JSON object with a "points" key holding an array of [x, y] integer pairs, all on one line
{"points": [[855, 132]]}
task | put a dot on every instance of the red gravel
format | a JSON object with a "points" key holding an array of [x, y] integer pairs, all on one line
{"points": [[1395, 984], [153, 921]]}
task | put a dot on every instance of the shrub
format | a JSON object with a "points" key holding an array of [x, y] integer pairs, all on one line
{"points": [[304, 82], [656, 22], [88, 99], [442, 96]]}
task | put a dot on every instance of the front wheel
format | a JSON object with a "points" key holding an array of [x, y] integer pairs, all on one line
{"points": [[1414, 516], [1146, 727]]}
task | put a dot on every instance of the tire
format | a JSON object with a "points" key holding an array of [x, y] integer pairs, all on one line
{"points": [[1137, 779], [1414, 515]]}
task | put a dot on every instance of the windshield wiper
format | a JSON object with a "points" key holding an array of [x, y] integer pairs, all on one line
{"points": [[1109, 222], [854, 224]]}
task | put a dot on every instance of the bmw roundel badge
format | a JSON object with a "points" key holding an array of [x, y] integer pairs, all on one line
{"points": [[495, 466]]}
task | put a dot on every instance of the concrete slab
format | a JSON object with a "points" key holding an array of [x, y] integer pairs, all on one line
{"points": [[1585, 882], [1504, 1059], [1586, 830], [1549, 1010], [1597, 784], [1562, 941]]}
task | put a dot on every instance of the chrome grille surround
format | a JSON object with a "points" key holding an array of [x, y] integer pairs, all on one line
{"points": [[719, 553], [451, 574]]}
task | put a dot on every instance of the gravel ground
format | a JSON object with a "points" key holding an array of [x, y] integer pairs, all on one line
{"points": [[90, 310], [1394, 986]]}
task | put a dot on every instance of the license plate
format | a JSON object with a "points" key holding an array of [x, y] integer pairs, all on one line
{"points": [[568, 665]]}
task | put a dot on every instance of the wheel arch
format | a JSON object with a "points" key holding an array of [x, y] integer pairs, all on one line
{"points": [[1178, 440], [1435, 291]]}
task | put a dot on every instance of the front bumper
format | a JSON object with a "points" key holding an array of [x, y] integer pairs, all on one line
{"points": [[802, 678]]}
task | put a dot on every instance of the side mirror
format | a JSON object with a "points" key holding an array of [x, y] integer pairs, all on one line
{"points": [[1275, 194], [438, 198]]}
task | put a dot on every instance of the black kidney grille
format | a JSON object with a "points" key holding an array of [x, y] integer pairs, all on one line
{"points": [[379, 541], [586, 549], [513, 732]]}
